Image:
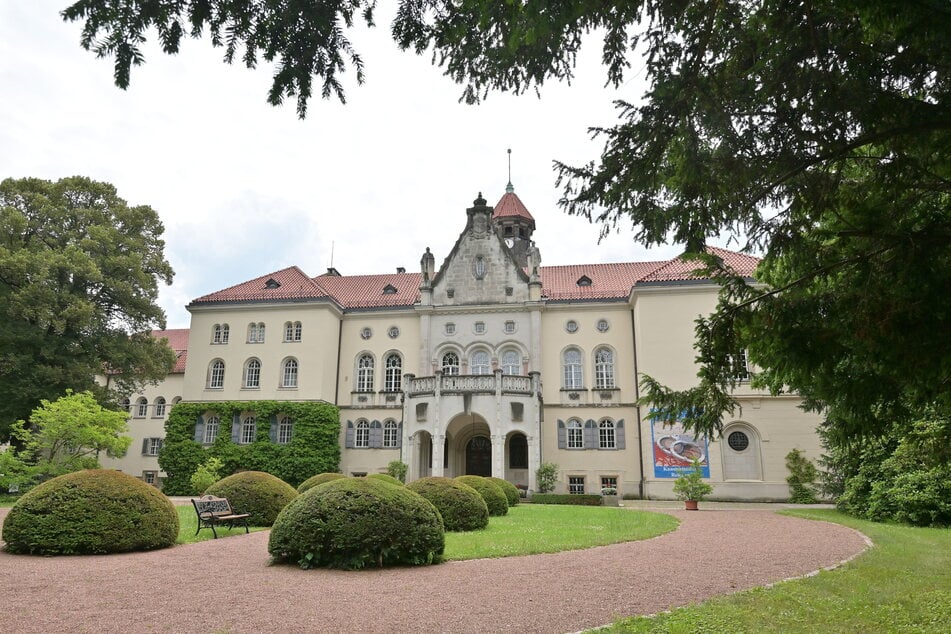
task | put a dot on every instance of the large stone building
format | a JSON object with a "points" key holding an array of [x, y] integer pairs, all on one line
{"points": [[489, 364]]}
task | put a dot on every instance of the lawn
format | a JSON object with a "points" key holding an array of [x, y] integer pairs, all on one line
{"points": [[530, 529], [903, 584], [188, 522]]}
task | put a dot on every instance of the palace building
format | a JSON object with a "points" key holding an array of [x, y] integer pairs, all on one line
{"points": [[489, 364]]}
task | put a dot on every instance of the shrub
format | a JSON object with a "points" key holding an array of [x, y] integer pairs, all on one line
{"points": [[206, 475], [494, 497], [801, 479], [320, 478], [461, 506], [586, 499], [92, 511], [546, 475], [397, 469], [690, 486], [385, 477], [358, 522], [509, 489], [255, 492]]}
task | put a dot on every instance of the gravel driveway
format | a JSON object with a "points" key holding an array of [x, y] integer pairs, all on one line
{"points": [[229, 586]]}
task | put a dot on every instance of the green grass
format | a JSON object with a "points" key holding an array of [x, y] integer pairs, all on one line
{"points": [[530, 529], [902, 584], [188, 522], [7, 500]]}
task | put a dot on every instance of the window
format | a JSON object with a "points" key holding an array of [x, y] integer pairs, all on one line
{"points": [[510, 363], [285, 430], [256, 332], [212, 425], [479, 328], [480, 363], [149, 477], [572, 376], [606, 436], [450, 363], [604, 369], [739, 365], [393, 373], [584, 280], [603, 325], [289, 373], [609, 482], [390, 434], [249, 428], [252, 374], [571, 326], [393, 332], [159, 407], [366, 333], [219, 333], [362, 440], [575, 434], [450, 328], [125, 405], [576, 485], [141, 407], [365, 373], [292, 331], [518, 452], [151, 446], [509, 327], [216, 375], [738, 441]]}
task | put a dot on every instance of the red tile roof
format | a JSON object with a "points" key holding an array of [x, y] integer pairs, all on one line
{"points": [[369, 291], [511, 205], [607, 280], [679, 269], [178, 341], [287, 284]]}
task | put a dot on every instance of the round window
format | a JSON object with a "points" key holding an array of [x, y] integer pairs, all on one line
{"points": [[571, 325], [738, 441], [366, 333], [603, 325], [393, 332]]}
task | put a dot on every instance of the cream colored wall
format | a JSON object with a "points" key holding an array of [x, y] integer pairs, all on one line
{"points": [[352, 345], [316, 353]]}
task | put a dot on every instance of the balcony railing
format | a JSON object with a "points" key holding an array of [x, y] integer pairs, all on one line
{"points": [[468, 384]]}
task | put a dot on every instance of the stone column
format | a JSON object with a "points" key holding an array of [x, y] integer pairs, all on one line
{"points": [[498, 456], [439, 443], [534, 460]]}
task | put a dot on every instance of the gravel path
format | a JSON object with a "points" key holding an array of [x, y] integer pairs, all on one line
{"points": [[229, 586]]}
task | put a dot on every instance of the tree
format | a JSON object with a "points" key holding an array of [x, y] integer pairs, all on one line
{"points": [[69, 433], [815, 134], [79, 270]]}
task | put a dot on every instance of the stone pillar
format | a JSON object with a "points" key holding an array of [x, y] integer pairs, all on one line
{"points": [[439, 443], [498, 456], [534, 460]]}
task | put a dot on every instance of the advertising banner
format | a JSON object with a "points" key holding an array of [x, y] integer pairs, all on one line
{"points": [[675, 450]]}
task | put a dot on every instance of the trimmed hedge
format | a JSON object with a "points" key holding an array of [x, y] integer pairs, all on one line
{"points": [[491, 492], [320, 478], [314, 446], [255, 492], [585, 499], [509, 489], [383, 477], [354, 523], [90, 512], [461, 506]]}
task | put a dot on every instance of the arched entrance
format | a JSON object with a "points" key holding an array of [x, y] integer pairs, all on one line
{"points": [[479, 456]]}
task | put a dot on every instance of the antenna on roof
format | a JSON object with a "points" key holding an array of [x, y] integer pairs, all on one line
{"points": [[508, 188], [331, 254]]}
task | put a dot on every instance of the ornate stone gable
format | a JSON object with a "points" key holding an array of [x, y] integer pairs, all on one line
{"points": [[480, 268]]}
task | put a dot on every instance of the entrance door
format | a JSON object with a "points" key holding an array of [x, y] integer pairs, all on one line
{"points": [[479, 456]]}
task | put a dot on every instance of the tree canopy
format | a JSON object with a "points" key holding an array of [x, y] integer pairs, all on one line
{"points": [[815, 134], [79, 273]]}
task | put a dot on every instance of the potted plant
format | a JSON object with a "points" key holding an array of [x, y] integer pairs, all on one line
{"points": [[691, 488], [609, 496]]}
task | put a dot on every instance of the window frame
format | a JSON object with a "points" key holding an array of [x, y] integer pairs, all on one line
{"points": [[574, 434], [480, 363], [515, 365], [607, 434], [361, 434], [573, 483], [216, 375], [212, 427], [249, 430], [141, 407], [393, 372], [290, 369], [390, 434], [252, 374], [572, 371], [159, 407], [604, 369], [366, 366], [454, 369], [285, 430]]}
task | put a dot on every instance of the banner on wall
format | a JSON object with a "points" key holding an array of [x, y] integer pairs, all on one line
{"points": [[675, 450]]}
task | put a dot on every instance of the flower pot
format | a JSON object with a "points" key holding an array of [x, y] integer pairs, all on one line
{"points": [[690, 505], [609, 500]]}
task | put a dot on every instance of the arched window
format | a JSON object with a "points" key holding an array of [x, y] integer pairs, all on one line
{"points": [[575, 434], [216, 334], [289, 373], [141, 407], [390, 434], [256, 332], [225, 333], [511, 363], [252, 374], [211, 429], [249, 428], [292, 331], [604, 369], [518, 452], [362, 439], [480, 363], [125, 405], [285, 429], [365, 373], [393, 377], [572, 369], [216, 375], [159, 407], [607, 438], [450, 363]]}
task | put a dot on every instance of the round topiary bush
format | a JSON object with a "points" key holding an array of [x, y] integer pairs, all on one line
{"points": [[509, 489], [91, 511], [491, 492], [461, 506], [320, 478], [384, 477], [358, 522], [255, 492]]}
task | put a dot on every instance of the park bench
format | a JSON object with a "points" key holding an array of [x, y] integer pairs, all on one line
{"points": [[213, 511]]}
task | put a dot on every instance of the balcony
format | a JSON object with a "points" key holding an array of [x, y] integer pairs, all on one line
{"points": [[469, 384]]}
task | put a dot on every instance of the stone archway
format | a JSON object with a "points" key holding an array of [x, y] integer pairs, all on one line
{"points": [[463, 457], [479, 456]]}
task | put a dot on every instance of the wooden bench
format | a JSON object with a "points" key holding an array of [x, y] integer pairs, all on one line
{"points": [[213, 511]]}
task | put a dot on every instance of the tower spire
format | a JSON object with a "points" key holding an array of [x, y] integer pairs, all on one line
{"points": [[508, 188]]}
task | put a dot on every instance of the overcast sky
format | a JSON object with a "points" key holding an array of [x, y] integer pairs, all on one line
{"points": [[244, 188]]}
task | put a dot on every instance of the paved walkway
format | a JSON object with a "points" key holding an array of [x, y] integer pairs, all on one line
{"points": [[228, 585]]}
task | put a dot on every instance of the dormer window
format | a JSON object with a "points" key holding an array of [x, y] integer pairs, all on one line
{"points": [[272, 283], [389, 289], [584, 280]]}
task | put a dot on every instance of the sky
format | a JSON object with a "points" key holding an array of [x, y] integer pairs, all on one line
{"points": [[244, 188]]}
